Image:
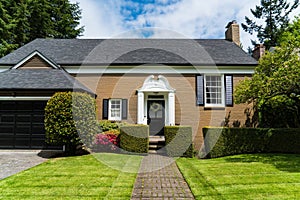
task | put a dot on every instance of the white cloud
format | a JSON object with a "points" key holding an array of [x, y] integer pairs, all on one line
{"points": [[189, 18], [101, 19]]}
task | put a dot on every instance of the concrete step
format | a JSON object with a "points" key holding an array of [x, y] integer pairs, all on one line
{"points": [[150, 151], [156, 143], [160, 152], [155, 146], [156, 139]]}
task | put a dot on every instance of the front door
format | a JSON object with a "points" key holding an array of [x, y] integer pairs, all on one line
{"points": [[156, 116]]}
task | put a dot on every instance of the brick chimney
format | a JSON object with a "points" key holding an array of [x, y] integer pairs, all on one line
{"points": [[258, 51], [233, 32]]}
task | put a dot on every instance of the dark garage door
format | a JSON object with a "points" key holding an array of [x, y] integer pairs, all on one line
{"points": [[22, 124]]}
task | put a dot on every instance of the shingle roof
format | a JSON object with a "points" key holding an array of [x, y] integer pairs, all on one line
{"points": [[39, 79], [134, 51]]}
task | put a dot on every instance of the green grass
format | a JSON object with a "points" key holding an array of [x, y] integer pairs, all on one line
{"points": [[84, 177], [256, 176]]}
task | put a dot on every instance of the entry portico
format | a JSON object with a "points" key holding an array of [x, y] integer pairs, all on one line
{"points": [[156, 99]]}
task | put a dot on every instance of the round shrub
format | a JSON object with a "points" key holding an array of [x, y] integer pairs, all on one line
{"points": [[70, 120]]}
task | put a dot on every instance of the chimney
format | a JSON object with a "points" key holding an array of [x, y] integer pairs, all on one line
{"points": [[258, 51], [233, 32]]}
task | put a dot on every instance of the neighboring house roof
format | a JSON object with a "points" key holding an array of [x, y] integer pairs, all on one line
{"points": [[134, 51], [40, 79]]}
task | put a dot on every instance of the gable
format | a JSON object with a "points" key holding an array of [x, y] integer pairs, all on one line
{"points": [[35, 63], [35, 60]]}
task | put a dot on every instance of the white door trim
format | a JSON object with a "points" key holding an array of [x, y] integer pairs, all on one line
{"points": [[156, 86]]}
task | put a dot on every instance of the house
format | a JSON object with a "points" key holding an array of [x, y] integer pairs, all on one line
{"points": [[145, 81]]}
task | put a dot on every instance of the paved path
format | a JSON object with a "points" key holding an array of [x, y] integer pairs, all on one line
{"points": [[159, 178], [12, 162]]}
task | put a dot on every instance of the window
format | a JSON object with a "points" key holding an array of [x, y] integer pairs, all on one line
{"points": [[214, 90], [114, 109], [114, 112]]}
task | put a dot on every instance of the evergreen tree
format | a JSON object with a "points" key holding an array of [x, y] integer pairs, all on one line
{"points": [[40, 19], [6, 35], [66, 18], [275, 14], [20, 15], [22, 21]]}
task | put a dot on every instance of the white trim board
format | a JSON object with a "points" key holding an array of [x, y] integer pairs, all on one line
{"points": [[29, 98], [161, 69]]}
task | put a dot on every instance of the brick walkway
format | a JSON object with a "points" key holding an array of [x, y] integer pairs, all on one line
{"points": [[159, 178]]}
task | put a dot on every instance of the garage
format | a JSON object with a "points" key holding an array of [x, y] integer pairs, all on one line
{"points": [[22, 124], [23, 96], [25, 89]]}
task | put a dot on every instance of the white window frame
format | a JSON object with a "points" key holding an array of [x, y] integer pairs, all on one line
{"points": [[222, 104], [114, 118]]}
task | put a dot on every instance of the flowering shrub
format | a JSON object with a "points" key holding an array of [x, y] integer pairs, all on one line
{"points": [[106, 141], [112, 132], [106, 125]]}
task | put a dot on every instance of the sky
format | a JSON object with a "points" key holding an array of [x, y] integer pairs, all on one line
{"points": [[196, 19]]}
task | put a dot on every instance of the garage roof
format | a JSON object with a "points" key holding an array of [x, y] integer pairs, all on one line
{"points": [[40, 79]]}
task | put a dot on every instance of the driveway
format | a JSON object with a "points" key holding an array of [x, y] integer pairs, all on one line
{"points": [[12, 162]]}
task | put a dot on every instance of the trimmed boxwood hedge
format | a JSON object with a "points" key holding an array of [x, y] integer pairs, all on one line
{"points": [[134, 138], [220, 142], [179, 141]]}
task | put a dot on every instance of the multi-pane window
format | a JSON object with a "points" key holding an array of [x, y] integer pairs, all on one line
{"points": [[213, 90], [114, 109], [115, 106]]}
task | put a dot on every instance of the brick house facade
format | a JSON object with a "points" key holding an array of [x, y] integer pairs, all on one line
{"points": [[142, 81]]}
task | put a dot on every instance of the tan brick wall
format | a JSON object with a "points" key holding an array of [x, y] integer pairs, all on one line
{"points": [[187, 113]]}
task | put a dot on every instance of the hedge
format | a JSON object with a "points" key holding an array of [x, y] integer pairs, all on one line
{"points": [[220, 142], [70, 119], [134, 138], [284, 141], [179, 141]]}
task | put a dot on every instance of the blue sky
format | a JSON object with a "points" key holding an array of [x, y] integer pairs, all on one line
{"points": [[204, 19]]}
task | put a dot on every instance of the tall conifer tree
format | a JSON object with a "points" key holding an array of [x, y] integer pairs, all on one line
{"points": [[275, 14]]}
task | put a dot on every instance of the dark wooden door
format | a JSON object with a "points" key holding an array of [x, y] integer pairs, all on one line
{"points": [[156, 116]]}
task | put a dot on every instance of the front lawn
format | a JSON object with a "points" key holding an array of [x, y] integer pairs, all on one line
{"points": [[83, 177], [256, 176]]}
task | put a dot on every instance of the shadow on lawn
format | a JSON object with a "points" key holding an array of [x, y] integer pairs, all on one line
{"points": [[283, 162]]}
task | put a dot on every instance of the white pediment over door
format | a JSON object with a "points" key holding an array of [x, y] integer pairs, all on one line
{"points": [[159, 84]]}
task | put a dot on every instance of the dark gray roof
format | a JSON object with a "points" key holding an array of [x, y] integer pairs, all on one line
{"points": [[39, 79], [134, 51]]}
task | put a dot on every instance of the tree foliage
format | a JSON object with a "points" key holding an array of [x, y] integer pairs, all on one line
{"points": [[275, 14], [275, 86], [6, 27], [22, 21], [292, 33]]}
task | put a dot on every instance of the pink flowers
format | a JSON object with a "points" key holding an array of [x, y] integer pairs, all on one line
{"points": [[107, 141]]}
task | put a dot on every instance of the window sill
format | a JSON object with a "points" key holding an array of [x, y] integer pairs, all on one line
{"points": [[214, 108]]}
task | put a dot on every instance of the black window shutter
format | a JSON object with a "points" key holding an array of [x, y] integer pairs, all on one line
{"points": [[124, 108], [228, 90], [105, 109], [200, 90]]}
